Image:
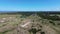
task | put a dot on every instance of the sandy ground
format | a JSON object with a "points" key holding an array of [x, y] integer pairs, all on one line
{"points": [[46, 29], [19, 29]]}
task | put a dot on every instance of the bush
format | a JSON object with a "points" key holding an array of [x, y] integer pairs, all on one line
{"points": [[52, 22]]}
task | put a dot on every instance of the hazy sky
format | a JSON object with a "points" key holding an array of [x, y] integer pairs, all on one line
{"points": [[29, 5]]}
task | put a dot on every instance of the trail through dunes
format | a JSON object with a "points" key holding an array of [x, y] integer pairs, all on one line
{"points": [[45, 28], [26, 25]]}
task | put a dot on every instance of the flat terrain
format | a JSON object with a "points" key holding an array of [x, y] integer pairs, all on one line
{"points": [[32, 24]]}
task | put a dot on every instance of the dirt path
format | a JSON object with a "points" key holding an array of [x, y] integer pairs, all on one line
{"points": [[45, 28], [25, 24]]}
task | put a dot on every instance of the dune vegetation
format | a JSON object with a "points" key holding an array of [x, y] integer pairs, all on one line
{"points": [[29, 23]]}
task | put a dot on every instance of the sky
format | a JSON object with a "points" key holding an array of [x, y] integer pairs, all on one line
{"points": [[29, 5]]}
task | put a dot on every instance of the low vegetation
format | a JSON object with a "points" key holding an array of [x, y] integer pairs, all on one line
{"points": [[33, 22]]}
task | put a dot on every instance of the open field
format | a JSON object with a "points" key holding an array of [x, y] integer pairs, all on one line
{"points": [[29, 23]]}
